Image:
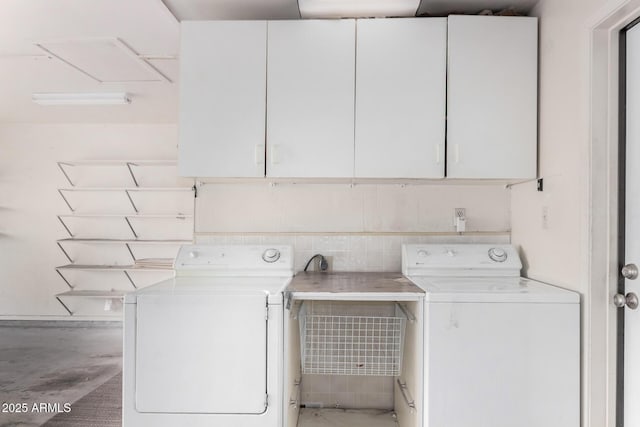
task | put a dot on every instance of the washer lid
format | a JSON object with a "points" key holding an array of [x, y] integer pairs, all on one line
{"points": [[492, 290]]}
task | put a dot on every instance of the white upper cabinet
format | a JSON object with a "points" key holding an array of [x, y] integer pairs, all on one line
{"points": [[310, 101], [400, 98], [492, 97], [222, 99]]}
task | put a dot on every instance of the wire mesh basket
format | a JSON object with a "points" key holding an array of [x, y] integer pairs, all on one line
{"points": [[344, 344]]}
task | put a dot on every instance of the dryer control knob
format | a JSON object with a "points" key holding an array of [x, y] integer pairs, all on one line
{"points": [[422, 253], [193, 254], [498, 254], [271, 255]]}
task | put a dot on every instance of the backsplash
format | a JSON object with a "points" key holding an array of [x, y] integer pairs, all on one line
{"points": [[343, 208], [349, 252], [361, 227]]}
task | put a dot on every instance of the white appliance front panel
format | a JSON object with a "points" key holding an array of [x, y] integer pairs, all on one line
{"points": [[502, 365], [202, 354]]}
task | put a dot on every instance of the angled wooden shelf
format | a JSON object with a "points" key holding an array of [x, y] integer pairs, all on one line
{"points": [[130, 165], [137, 183], [106, 295]]}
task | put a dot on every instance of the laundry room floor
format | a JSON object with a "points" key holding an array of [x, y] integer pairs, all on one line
{"points": [[53, 363], [312, 417]]}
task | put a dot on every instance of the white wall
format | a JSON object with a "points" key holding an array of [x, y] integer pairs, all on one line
{"points": [[361, 226], [557, 250], [361, 208], [29, 201]]}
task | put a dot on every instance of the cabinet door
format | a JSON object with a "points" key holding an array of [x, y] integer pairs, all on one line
{"points": [[310, 102], [492, 97], [400, 98], [222, 99]]}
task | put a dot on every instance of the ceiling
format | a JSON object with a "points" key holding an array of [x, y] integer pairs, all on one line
{"points": [[68, 46]]}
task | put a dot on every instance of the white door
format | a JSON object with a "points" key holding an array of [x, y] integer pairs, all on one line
{"points": [[222, 98], [401, 68], [310, 102], [492, 94], [202, 354], [632, 230]]}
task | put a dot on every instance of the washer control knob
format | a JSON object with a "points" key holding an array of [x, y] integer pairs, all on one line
{"points": [[498, 254], [451, 252], [271, 255], [422, 253], [193, 254]]}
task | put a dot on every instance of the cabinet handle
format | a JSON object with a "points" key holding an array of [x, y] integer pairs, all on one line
{"points": [[259, 154], [274, 154]]}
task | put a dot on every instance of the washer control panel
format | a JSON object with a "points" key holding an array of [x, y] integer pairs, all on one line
{"points": [[498, 254], [460, 260]]}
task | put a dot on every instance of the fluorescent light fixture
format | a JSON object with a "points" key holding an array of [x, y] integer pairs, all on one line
{"points": [[357, 8], [104, 98]]}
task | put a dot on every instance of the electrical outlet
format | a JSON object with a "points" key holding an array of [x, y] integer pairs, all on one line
{"points": [[458, 213], [545, 217], [329, 263]]}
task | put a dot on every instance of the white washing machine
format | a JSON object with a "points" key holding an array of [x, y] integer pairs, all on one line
{"points": [[500, 350], [206, 348]]}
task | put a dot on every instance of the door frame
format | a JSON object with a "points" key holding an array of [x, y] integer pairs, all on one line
{"points": [[600, 383], [621, 247]]}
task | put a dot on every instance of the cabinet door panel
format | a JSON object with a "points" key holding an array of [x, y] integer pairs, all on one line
{"points": [[400, 98], [222, 99], [310, 102], [492, 97]]}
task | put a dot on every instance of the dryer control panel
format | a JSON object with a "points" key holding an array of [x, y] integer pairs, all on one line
{"points": [[263, 260], [460, 260]]}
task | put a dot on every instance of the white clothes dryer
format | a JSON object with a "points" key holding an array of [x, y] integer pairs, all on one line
{"points": [[205, 348], [500, 350]]}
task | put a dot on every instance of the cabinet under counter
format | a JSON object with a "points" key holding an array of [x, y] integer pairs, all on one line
{"points": [[353, 350]]}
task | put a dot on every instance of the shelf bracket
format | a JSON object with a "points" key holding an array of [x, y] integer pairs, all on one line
{"points": [[135, 208], [64, 172], [294, 403], [126, 218], [61, 192], [64, 225], [406, 396], [64, 278], [126, 273], [131, 252], [65, 306], [133, 175], [408, 314], [64, 252]]}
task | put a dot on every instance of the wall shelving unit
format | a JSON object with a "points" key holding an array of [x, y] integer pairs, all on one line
{"points": [[127, 220]]}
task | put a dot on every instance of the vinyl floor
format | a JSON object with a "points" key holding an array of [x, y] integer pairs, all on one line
{"points": [[45, 365]]}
